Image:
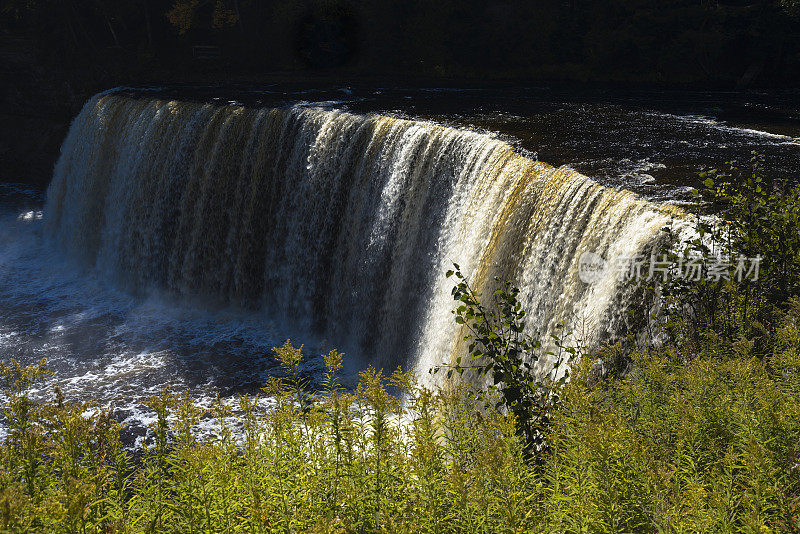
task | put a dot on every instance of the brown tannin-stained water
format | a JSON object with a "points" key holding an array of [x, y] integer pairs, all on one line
{"points": [[185, 234]]}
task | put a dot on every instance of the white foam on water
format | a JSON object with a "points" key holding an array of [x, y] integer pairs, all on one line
{"points": [[105, 344], [710, 122], [181, 241]]}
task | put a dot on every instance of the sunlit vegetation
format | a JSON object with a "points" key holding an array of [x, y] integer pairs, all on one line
{"points": [[689, 442], [695, 429], [338, 461]]}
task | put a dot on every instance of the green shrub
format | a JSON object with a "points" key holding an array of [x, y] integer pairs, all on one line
{"points": [[501, 352], [708, 445], [685, 443], [331, 461], [756, 219]]}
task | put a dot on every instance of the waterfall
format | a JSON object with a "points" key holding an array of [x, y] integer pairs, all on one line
{"points": [[335, 223]]}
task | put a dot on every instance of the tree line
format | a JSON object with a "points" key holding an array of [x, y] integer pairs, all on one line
{"points": [[666, 41]]}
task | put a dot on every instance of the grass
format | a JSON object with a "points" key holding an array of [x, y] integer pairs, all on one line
{"points": [[687, 443]]}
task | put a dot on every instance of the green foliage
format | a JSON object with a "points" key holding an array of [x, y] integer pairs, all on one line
{"points": [[791, 7], [687, 443], [742, 300], [500, 350], [332, 461], [761, 219], [184, 14]]}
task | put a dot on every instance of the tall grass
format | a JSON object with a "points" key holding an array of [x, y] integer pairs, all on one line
{"points": [[338, 461], [702, 442]]}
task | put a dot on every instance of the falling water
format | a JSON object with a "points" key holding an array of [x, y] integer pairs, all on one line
{"points": [[337, 224]]}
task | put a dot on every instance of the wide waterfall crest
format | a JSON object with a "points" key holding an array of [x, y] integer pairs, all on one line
{"points": [[337, 224]]}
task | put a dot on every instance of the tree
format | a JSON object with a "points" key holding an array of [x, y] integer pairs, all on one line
{"points": [[186, 14], [792, 7]]}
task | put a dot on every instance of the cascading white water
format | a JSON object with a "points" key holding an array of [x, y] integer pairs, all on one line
{"points": [[337, 223]]}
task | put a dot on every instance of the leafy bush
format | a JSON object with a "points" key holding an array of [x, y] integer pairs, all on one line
{"points": [[680, 445], [754, 242], [687, 443], [501, 351]]}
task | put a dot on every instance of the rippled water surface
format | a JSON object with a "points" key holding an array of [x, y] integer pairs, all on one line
{"points": [[653, 142]]}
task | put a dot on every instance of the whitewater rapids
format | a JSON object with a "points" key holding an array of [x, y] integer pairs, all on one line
{"points": [[338, 224]]}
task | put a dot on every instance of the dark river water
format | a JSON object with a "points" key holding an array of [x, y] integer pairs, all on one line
{"points": [[103, 343], [652, 142]]}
